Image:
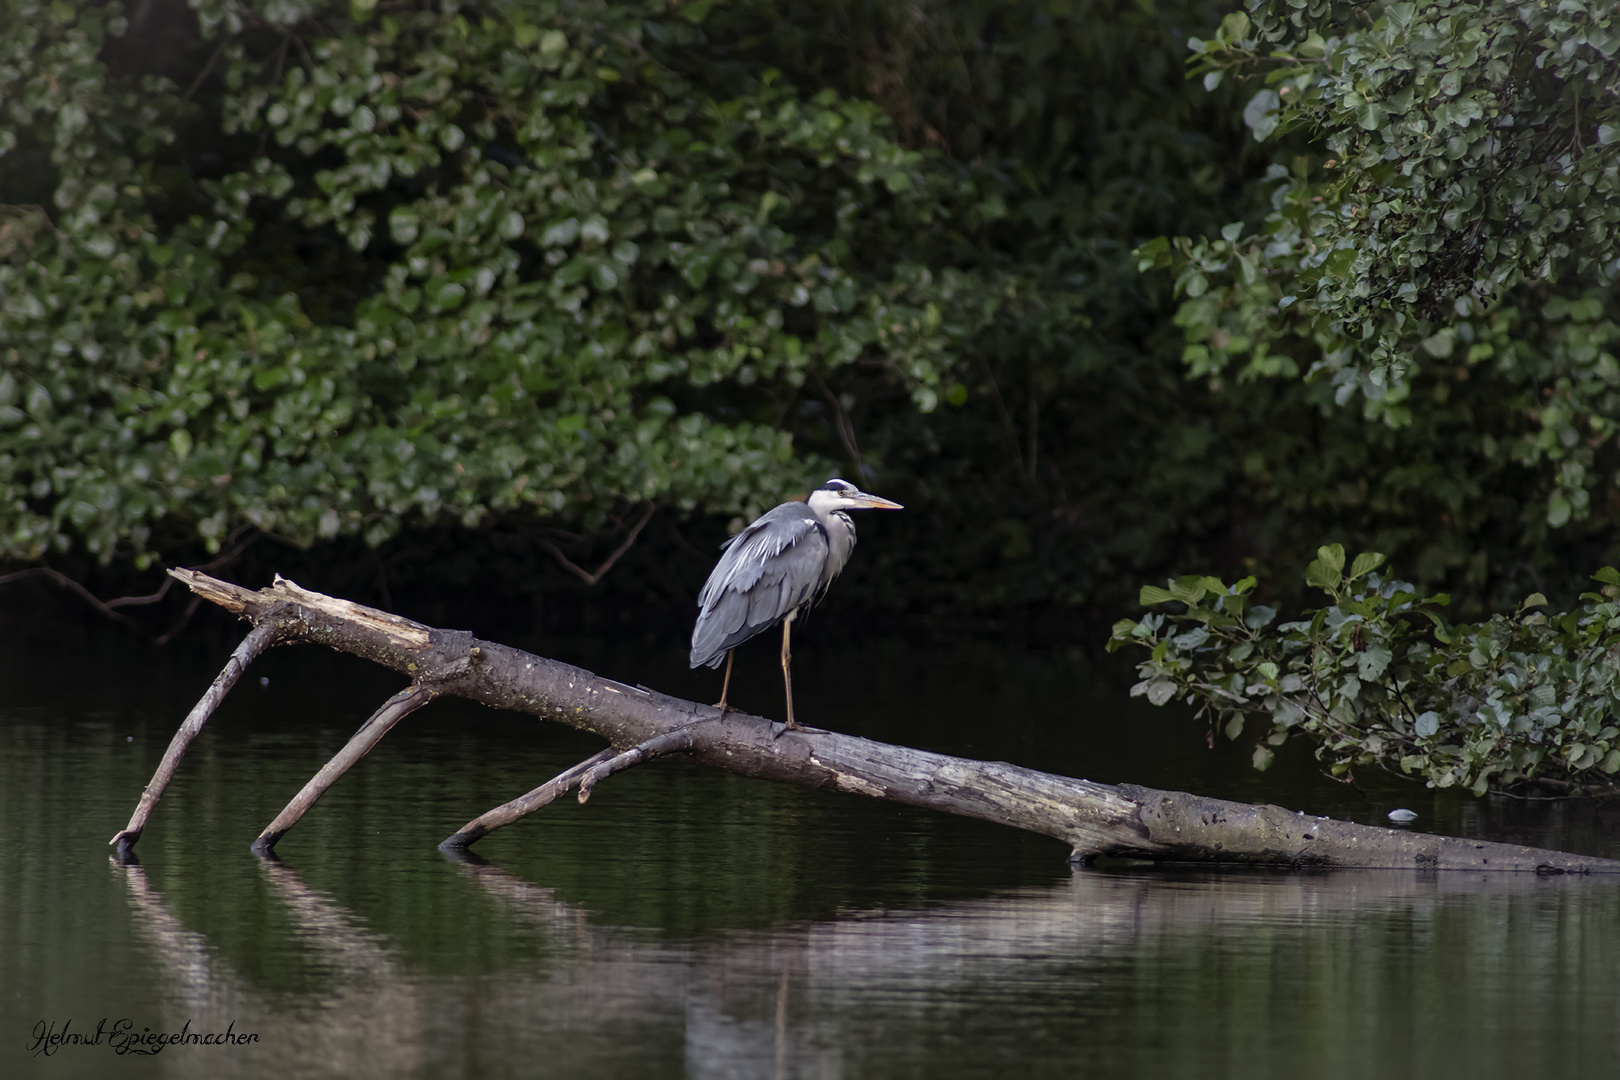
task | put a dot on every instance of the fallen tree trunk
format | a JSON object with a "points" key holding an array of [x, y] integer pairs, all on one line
{"points": [[639, 724]]}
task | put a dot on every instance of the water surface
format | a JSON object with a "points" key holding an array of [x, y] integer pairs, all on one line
{"points": [[689, 923]]}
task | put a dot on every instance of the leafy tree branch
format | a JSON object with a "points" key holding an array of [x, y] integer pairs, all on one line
{"points": [[1381, 677]]}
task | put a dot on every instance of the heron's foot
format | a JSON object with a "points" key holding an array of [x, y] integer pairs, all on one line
{"points": [[723, 707], [793, 726]]}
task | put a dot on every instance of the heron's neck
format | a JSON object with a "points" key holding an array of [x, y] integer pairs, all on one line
{"points": [[840, 542]]}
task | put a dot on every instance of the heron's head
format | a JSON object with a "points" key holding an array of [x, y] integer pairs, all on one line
{"points": [[842, 495]]}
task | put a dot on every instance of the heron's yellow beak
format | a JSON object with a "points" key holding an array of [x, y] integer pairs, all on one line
{"points": [[860, 500]]}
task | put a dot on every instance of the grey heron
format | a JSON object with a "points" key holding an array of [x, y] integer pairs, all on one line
{"points": [[774, 569]]}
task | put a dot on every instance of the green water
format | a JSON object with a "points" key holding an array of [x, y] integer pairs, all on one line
{"points": [[688, 923]]}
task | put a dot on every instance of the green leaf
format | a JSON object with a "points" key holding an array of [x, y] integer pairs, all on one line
{"points": [[561, 234], [1442, 628], [1263, 757], [1260, 114], [1322, 576], [1332, 555], [1191, 640], [1371, 661], [1188, 589], [1366, 563], [1152, 594]]}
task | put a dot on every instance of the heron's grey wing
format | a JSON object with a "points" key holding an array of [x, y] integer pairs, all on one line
{"points": [[767, 570]]}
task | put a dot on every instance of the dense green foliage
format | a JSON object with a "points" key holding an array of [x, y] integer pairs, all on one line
{"points": [[365, 276], [1444, 248], [345, 292], [543, 248], [1078, 458], [1380, 676]]}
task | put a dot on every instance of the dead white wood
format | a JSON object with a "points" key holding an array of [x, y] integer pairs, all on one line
{"points": [[639, 724]]}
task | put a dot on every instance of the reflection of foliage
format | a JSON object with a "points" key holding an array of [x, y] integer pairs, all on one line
{"points": [[445, 265], [1381, 677]]}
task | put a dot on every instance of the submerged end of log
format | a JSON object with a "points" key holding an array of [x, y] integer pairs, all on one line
{"points": [[124, 844], [1213, 830]]}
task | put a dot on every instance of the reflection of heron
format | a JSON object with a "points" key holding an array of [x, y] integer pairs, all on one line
{"points": [[774, 569]]}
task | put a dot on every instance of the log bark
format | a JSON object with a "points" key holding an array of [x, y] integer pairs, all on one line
{"points": [[1096, 820]]}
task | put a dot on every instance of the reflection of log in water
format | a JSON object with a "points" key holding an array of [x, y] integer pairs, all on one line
{"points": [[366, 1021], [1094, 819], [824, 999], [794, 1001]]}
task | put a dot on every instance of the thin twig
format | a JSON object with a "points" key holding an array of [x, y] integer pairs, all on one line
{"points": [[149, 598], [72, 586], [680, 538], [1006, 418], [585, 575], [1034, 428], [203, 74], [180, 623], [21, 212], [234, 553], [1542, 798], [309, 60], [841, 424], [109, 607]]}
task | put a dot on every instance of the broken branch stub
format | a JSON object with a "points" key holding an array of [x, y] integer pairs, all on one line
{"points": [[639, 724]]}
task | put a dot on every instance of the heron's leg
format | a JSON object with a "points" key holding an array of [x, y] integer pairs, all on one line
{"points": [[725, 687], [787, 669]]}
